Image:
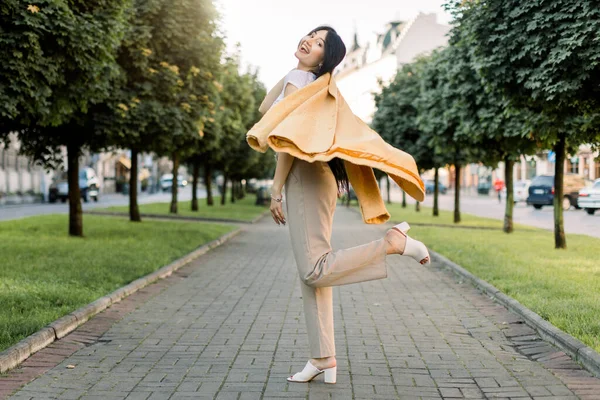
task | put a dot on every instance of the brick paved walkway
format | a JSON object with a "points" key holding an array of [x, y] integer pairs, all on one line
{"points": [[232, 327]]}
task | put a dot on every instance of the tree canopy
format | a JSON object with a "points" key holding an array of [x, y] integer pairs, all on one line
{"points": [[542, 57]]}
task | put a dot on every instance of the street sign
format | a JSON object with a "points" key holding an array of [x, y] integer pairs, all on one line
{"points": [[551, 156]]}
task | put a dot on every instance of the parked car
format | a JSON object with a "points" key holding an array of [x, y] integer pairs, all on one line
{"points": [[89, 186], [541, 191], [589, 198], [429, 185], [483, 187], [520, 191], [166, 182]]}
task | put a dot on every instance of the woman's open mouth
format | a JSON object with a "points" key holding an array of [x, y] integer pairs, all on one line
{"points": [[304, 49]]}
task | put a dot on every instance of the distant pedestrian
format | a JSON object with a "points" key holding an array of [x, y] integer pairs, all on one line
{"points": [[498, 186], [313, 179]]}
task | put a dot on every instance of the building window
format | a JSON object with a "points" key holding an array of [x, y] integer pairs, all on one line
{"points": [[573, 165], [585, 168]]}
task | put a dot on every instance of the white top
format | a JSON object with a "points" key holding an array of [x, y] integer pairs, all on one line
{"points": [[297, 78]]}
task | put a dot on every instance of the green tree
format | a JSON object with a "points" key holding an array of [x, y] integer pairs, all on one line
{"points": [[242, 160], [396, 119], [156, 99], [201, 152], [486, 120], [544, 57], [208, 154], [58, 61], [438, 118], [186, 39], [236, 116], [231, 108], [263, 164]]}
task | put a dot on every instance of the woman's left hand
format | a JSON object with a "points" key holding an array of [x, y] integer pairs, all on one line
{"points": [[277, 212]]}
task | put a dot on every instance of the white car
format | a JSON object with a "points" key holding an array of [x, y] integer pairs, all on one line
{"points": [[589, 198], [166, 182], [520, 191], [89, 186]]}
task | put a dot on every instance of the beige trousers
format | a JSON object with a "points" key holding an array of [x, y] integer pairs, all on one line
{"points": [[310, 200]]}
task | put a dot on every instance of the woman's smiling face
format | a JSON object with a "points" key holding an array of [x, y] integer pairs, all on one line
{"points": [[311, 49]]}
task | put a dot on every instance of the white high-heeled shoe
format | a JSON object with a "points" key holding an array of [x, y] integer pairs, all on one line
{"points": [[413, 248], [310, 372]]}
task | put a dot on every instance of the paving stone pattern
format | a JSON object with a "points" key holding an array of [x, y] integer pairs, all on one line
{"points": [[231, 326]]}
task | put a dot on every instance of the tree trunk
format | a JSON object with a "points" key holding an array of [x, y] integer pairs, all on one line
{"points": [[233, 190], [436, 192], [174, 185], [134, 210], [508, 213], [457, 194], [195, 173], [224, 191], [403, 199], [75, 214], [418, 207], [208, 184], [387, 179], [241, 193], [560, 241]]}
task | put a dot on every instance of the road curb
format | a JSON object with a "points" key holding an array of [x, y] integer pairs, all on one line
{"points": [[456, 226], [578, 351], [176, 218], [15, 355]]}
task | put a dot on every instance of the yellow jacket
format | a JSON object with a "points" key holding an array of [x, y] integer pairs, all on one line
{"points": [[316, 124]]}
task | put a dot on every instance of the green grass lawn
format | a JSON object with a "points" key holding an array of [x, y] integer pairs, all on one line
{"points": [[241, 210], [44, 274], [562, 286]]}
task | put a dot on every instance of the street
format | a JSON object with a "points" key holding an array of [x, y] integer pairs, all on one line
{"points": [[576, 221], [109, 200]]}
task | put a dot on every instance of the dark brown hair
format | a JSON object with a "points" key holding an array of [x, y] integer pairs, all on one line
{"points": [[335, 51]]}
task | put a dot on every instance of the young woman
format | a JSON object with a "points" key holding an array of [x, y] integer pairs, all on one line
{"points": [[311, 192]]}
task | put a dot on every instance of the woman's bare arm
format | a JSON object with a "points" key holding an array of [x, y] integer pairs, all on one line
{"points": [[282, 170]]}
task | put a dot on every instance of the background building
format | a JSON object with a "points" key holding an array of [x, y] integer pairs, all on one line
{"points": [[22, 181], [380, 56]]}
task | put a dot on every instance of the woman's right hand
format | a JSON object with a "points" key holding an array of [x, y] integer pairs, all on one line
{"points": [[282, 170], [277, 211]]}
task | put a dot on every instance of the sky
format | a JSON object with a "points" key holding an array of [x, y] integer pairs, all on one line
{"points": [[269, 30]]}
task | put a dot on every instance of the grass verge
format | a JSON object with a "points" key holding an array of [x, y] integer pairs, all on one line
{"points": [[562, 286], [44, 274], [425, 216], [241, 210]]}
